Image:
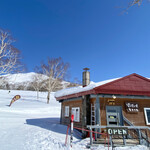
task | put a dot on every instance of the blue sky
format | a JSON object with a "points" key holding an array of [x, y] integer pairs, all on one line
{"points": [[85, 33]]}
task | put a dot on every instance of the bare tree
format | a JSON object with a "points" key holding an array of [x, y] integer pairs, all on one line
{"points": [[37, 83], [56, 70], [9, 55], [74, 83], [136, 2], [132, 3], [3, 83]]}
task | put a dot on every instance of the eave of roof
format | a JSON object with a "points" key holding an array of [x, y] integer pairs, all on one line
{"points": [[76, 95]]}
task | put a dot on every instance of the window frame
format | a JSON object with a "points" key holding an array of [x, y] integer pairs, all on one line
{"points": [[147, 123], [76, 120], [66, 111]]}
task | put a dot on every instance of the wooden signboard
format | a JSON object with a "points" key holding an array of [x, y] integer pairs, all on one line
{"points": [[132, 107], [111, 102], [117, 131]]}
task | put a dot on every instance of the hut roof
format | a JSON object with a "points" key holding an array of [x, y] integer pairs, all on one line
{"points": [[132, 84]]}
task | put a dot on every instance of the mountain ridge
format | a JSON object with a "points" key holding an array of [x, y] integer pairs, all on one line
{"points": [[24, 81]]}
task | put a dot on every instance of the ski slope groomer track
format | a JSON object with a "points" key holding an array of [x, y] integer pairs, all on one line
{"points": [[31, 124]]}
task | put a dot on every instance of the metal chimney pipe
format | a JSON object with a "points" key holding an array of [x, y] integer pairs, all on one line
{"points": [[85, 77]]}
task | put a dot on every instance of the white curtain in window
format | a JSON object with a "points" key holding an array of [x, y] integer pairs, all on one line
{"points": [[66, 111]]}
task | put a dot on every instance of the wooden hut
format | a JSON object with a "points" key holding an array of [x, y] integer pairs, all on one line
{"points": [[117, 102]]}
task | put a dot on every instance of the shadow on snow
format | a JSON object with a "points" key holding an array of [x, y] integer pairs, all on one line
{"points": [[52, 124]]}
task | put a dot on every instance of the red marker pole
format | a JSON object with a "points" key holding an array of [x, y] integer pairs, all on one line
{"points": [[71, 137]]}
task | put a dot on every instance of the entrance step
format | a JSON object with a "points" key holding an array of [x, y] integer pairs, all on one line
{"points": [[129, 142]]}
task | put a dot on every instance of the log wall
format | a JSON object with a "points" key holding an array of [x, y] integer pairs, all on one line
{"points": [[75, 103]]}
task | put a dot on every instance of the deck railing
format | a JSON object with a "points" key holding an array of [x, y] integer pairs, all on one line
{"points": [[138, 133]]}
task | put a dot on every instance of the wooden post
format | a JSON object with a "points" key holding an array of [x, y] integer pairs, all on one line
{"points": [[83, 115], [88, 110], [124, 140], [91, 137], [110, 139], [139, 132], [98, 119], [61, 115], [147, 138]]}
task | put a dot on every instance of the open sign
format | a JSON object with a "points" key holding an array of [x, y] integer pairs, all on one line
{"points": [[117, 131]]}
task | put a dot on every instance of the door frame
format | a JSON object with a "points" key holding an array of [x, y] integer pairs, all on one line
{"points": [[118, 110]]}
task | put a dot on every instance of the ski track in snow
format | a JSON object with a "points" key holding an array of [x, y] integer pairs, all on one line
{"points": [[31, 124]]}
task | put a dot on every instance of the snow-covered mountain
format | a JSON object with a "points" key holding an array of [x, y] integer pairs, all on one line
{"points": [[21, 77], [23, 81]]}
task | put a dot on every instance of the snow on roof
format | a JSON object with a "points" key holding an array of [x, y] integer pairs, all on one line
{"points": [[78, 89]]}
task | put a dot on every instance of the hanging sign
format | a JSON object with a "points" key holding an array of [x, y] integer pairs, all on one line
{"points": [[14, 99], [132, 107]]}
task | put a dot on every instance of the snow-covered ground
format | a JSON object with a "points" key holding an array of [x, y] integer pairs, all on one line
{"points": [[31, 124]]}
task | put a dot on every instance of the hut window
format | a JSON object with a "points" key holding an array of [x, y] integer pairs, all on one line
{"points": [[76, 113], [147, 115], [66, 111]]}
